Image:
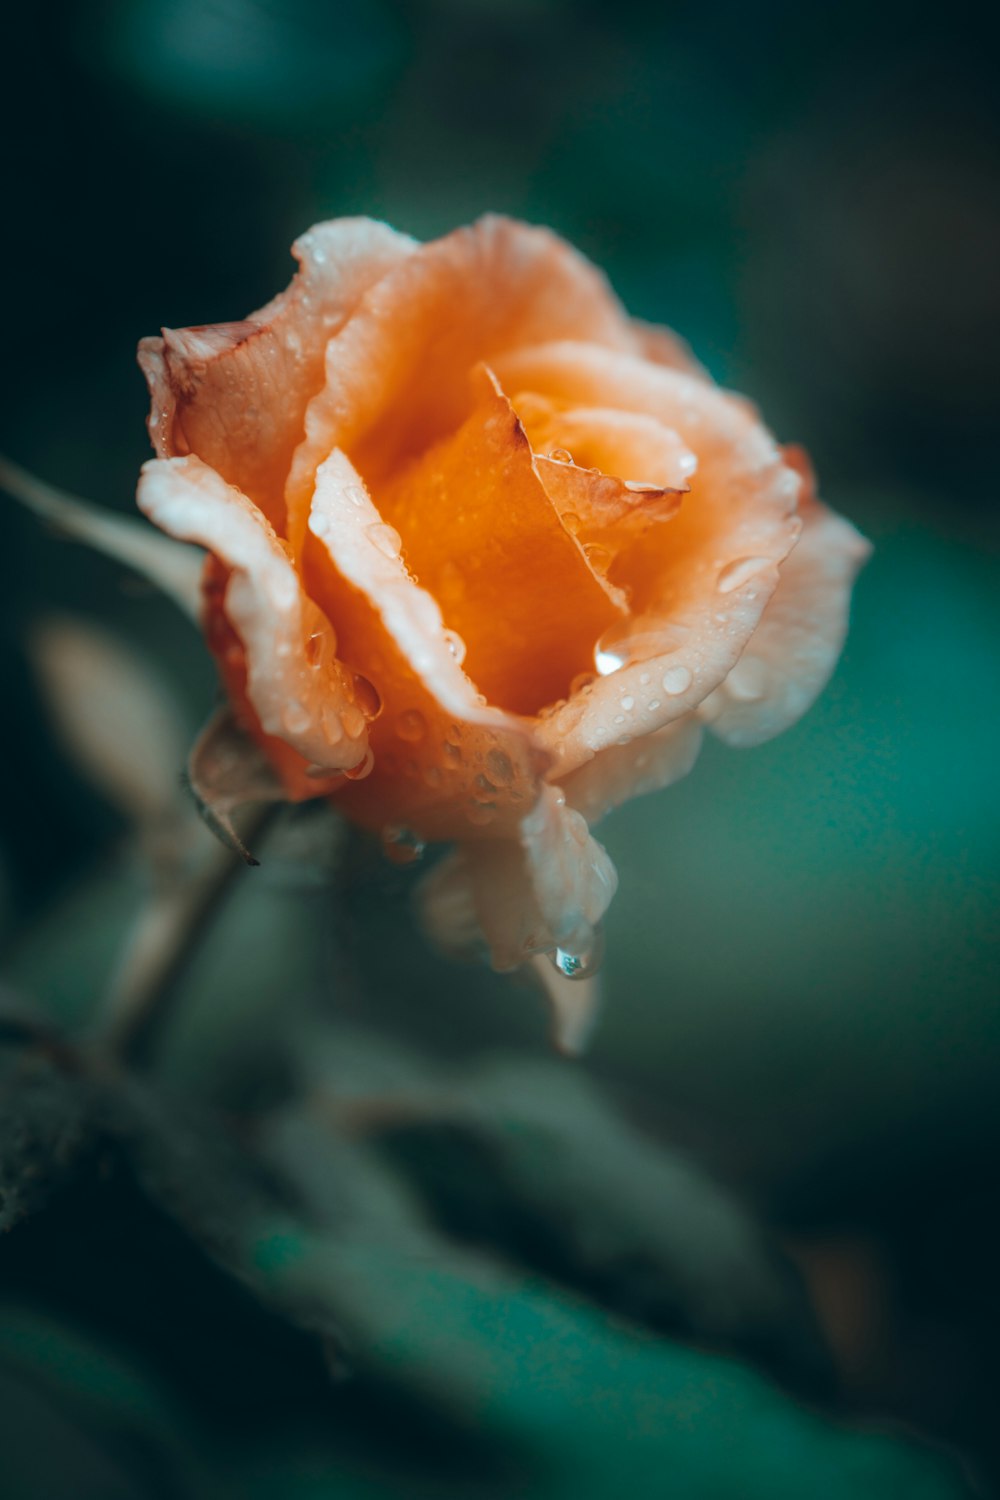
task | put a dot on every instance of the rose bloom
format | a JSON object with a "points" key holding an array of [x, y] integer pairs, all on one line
{"points": [[486, 556]]}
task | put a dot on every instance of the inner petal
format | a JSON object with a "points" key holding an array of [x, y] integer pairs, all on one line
{"points": [[483, 537], [634, 446]]}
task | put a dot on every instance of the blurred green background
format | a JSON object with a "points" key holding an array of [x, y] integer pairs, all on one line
{"points": [[801, 989]]}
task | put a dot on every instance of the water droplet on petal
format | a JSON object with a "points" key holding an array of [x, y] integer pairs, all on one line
{"points": [[296, 717], [411, 725], [676, 680], [628, 703], [320, 524], [580, 960], [386, 538], [363, 769], [561, 455], [572, 522], [355, 495], [367, 697], [401, 846], [738, 572], [581, 683], [353, 721], [455, 645]]}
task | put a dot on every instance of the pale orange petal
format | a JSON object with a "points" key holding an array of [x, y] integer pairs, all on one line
{"points": [[483, 537], [298, 690], [396, 375], [795, 648], [697, 597], [235, 394], [445, 764], [547, 889], [647, 764]]}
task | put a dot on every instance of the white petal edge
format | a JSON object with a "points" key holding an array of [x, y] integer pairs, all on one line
{"points": [[301, 698], [792, 653]]}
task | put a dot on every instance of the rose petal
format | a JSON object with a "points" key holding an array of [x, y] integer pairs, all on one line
{"points": [[662, 346], [298, 691], [795, 647], [546, 889], [484, 538], [396, 374], [605, 513], [445, 764], [703, 590], [644, 765], [235, 394], [631, 445]]}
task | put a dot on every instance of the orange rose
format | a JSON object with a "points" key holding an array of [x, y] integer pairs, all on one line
{"points": [[486, 555]]}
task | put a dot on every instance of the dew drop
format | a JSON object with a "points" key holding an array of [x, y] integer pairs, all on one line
{"points": [[628, 703], [332, 727], [320, 524], [738, 572], [561, 455], [676, 680], [572, 522], [652, 705], [363, 769], [455, 645], [611, 652], [401, 846], [353, 720], [367, 697], [600, 558], [581, 683], [386, 538], [411, 725], [355, 495], [500, 767], [296, 717]]}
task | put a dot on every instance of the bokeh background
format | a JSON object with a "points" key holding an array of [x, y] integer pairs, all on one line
{"points": [[802, 971]]}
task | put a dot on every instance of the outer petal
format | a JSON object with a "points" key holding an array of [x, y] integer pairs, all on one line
{"points": [[622, 772], [396, 373], [795, 647], [546, 889], [700, 595], [445, 765], [235, 394], [298, 691]]}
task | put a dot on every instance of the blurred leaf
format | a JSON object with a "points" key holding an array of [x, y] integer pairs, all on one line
{"points": [[527, 1157], [47, 1123], [114, 716], [172, 566]]}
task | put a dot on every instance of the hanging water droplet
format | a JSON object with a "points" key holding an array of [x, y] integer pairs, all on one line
{"points": [[401, 846], [738, 572], [367, 697], [580, 960], [363, 769], [386, 538], [455, 645], [411, 725]]}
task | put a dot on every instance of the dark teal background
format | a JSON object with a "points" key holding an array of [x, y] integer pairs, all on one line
{"points": [[802, 969]]}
